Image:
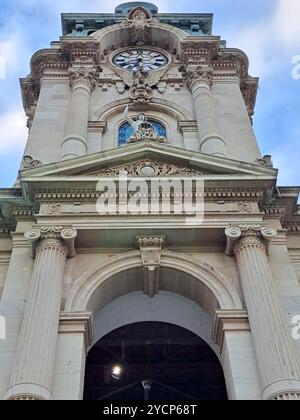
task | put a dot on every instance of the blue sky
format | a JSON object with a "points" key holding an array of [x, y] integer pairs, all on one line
{"points": [[268, 31]]}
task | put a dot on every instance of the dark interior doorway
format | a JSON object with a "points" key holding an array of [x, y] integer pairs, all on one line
{"points": [[155, 361]]}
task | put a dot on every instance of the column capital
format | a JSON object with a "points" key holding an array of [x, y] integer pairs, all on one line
{"points": [[39, 236], [200, 74], [248, 235], [82, 77]]}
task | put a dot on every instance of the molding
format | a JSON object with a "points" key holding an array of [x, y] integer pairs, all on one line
{"points": [[78, 323], [292, 227], [220, 196], [294, 255], [187, 126], [229, 321], [97, 127]]}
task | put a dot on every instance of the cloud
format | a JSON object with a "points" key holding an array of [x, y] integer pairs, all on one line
{"points": [[270, 41], [10, 49], [13, 132]]}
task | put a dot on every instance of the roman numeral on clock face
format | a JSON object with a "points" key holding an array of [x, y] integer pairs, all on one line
{"points": [[150, 59]]}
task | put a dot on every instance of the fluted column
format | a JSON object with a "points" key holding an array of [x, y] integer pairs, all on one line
{"points": [[276, 355], [34, 364], [82, 82], [199, 81]]}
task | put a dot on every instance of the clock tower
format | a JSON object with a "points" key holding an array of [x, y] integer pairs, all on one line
{"points": [[145, 218]]}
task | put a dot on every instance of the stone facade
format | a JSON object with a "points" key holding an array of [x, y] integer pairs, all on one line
{"points": [[69, 274]]}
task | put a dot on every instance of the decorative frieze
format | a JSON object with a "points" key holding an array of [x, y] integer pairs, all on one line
{"points": [[151, 168]]}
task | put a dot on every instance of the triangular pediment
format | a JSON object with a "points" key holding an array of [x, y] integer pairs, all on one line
{"points": [[147, 160]]}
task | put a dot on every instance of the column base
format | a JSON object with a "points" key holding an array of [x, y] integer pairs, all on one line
{"points": [[214, 145], [283, 390], [28, 392]]}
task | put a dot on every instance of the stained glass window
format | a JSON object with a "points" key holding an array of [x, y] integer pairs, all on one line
{"points": [[126, 131]]}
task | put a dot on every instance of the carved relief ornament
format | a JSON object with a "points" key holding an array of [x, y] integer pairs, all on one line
{"points": [[149, 168], [138, 21], [202, 74], [151, 249], [82, 77]]}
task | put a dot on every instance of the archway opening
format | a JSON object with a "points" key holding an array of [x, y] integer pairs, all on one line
{"points": [[155, 361]]}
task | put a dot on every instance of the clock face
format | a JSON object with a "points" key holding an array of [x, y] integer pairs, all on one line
{"points": [[135, 57]]}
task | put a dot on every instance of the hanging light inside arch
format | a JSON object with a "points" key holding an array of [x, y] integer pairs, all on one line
{"points": [[116, 372]]}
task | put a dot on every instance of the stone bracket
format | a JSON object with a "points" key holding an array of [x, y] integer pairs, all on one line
{"points": [[151, 248], [229, 320]]}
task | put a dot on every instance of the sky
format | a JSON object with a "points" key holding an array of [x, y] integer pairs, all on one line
{"points": [[268, 31]]}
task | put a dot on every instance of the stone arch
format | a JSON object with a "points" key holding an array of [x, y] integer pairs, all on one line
{"points": [[200, 282], [175, 111], [163, 36]]}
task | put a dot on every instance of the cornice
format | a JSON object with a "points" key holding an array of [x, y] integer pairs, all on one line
{"points": [[78, 48], [219, 196], [5, 231], [292, 227], [274, 212]]}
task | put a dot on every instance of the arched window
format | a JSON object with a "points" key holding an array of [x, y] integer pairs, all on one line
{"points": [[126, 131]]}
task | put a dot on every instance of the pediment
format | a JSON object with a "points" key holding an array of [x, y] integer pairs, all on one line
{"points": [[147, 159]]}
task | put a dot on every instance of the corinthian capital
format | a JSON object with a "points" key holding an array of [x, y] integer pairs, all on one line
{"points": [[84, 77], [200, 74], [39, 235], [248, 235]]}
